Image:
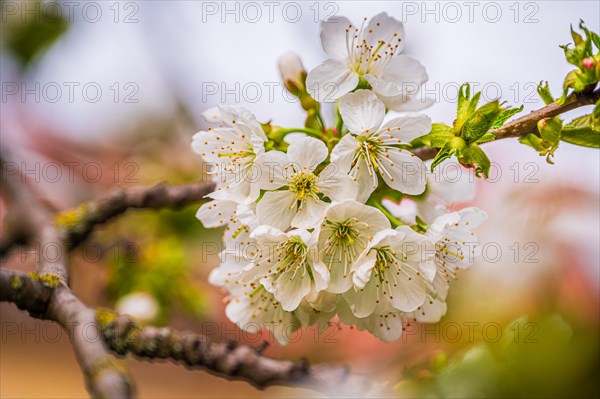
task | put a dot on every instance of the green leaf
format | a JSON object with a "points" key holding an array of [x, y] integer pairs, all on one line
{"points": [[439, 135], [444, 153], [486, 138], [549, 129], [505, 115], [544, 92], [454, 146], [474, 156], [28, 37], [576, 37], [570, 80], [480, 122], [583, 131], [466, 106], [533, 141]]}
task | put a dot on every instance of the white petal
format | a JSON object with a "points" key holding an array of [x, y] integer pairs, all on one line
{"points": [[307, 153], [362, 112], [384, 28], [400, 74], [331, 80], [268, 170], [471, 218], [363, 269], [406, 173], [407, 127], [276, 209], [406, 102], [216, 213], [290, 290], [309, 213], [385, 326], [342, 154], [367, 183], [321, 276], [431, 311], [362, 301], [337, 186], [333, 37], [406, 294]]}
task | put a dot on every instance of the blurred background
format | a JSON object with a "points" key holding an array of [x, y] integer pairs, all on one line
{"points": [[104, 94]]}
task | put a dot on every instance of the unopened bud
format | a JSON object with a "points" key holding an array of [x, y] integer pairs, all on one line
{"points": [[292, 72], [588, 63]]}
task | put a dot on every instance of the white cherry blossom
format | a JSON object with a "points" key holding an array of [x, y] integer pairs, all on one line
{"points": [[295, 190], [390, 271], [287, 265], [456, 244], [372, 149], [231, 149], [253, 309], [344, 234], [367, 54]]}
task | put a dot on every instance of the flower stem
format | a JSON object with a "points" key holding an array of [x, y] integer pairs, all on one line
{"points": [[393, 220]]}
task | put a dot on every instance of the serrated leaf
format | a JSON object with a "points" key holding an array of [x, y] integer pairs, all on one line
{"points": [[505, 115], [439, 135], [486, 138], [474, 156], [480, 122], [533, 141], [549, 129], [569, 81], [576, 37], [583, 131], [444, 153], [544, 92], [466, 106]]}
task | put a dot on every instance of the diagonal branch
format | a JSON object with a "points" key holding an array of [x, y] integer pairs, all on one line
{"points": [[48, 298], [528, 123], [162, 195], [125, 337]]}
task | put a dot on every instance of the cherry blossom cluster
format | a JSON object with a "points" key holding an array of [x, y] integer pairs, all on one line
{"points": [[339, 222]]}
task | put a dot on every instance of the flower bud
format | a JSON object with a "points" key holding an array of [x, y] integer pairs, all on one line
{"points": [[292, 72], [588, 63]]}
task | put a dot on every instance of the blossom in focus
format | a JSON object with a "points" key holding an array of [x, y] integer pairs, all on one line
{"points": [[287, 266], [231, 149], [365, 55], [295, 191], [372, 149], [343, 235], [389, 273]]}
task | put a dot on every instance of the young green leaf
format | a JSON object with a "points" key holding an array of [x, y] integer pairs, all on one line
{"points": [[533, 141], [544, 92], [466, 106], [474, 156], [583, 131], [505, 115], [439, 135], [481, 121]]}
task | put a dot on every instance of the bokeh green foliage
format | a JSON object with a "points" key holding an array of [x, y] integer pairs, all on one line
{"points": [[29, 28], [548, 358]]}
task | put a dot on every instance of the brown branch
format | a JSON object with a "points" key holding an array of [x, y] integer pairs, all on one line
{"points": [[46, 294], [121, 334], [528, 123], [49, 298], [30, 219], [158, 196]]}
